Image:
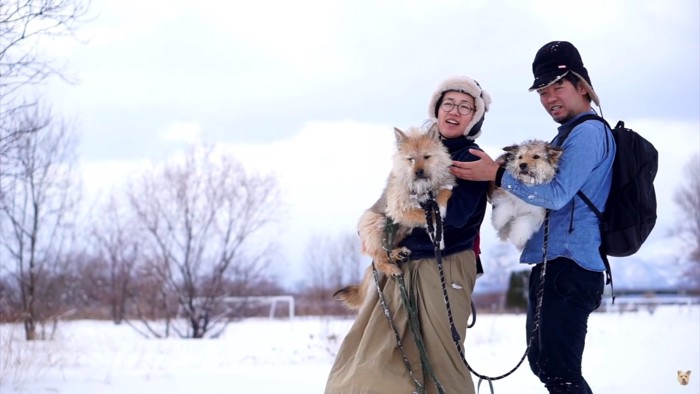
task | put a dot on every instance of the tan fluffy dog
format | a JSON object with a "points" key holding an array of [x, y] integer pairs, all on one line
{"points": [[533, 162], [420, 166], [683, 377]]}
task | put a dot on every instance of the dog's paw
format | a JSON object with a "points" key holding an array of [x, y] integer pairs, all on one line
{"points": [[400, 256], [443, 211], [390, 268], [397, 258]]}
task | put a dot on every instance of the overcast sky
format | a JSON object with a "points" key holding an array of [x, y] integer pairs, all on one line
{"points": [[310, 90]]}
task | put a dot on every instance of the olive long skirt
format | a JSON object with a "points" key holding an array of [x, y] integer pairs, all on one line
{"points": [[369, 359]]}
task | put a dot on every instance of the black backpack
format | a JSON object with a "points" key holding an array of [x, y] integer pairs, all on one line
{"points": [[630, 210]]}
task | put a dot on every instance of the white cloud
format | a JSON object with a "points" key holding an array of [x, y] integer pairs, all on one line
{"points": [[102, 179], [330, 172], [189, 132]]}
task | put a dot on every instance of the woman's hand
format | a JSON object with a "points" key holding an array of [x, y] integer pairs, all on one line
{"points": [[483, 169]]}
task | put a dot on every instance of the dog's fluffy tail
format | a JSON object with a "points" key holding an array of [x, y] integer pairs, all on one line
{"points": [[351, 296], [354, 296]]}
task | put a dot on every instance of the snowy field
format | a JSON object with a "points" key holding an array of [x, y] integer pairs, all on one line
{"points": [[634, 352]]}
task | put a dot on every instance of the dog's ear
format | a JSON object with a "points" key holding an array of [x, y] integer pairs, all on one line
{"points": [[687, 373], [554, 153], [400, 136], [433, 132], [503, 159], [679, 372], [511, 148], [508, 156]]}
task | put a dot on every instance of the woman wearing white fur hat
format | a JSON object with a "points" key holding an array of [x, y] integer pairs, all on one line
{"points": [[379, 357]]}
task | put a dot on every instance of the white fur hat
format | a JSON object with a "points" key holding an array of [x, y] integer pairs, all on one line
{"points": [[465, 85]]}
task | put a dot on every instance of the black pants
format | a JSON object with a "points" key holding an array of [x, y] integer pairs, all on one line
{"points": [[570, 294]]}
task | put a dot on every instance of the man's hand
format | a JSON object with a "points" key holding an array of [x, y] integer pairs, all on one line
{"points": [[483, 169]]}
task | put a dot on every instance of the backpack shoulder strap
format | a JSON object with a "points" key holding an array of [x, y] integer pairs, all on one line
{"points": [[590, 205], [599, 215], [561, 138]]}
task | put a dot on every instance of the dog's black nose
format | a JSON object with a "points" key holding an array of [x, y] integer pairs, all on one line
{"points": [[523, 166], [420, 172]]}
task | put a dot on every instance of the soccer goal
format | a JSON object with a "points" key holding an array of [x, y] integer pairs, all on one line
{"points": [[266, 300]]}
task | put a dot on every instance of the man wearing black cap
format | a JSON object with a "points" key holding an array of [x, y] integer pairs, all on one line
{"points": [[574, 272]]}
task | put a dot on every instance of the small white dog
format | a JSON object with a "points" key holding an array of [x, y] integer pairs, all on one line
{"points": [[532, 162]]}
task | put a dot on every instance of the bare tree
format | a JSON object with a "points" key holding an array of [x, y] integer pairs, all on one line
{"points": [[687, 198], [23, 26], [33, 177], [38, 198], [205, 221], [152, 299], [331, 263], [119, 247]]}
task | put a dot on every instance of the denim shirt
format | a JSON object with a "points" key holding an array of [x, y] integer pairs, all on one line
{"points": [[586, 165]]}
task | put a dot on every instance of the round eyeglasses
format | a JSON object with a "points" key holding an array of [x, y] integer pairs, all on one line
{"points": [[463, 109]]}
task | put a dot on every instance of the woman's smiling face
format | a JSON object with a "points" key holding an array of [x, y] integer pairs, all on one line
{"points": [[451, 123]]}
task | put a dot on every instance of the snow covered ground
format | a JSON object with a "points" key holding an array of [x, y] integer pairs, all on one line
{"points": [[634, 352]]}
